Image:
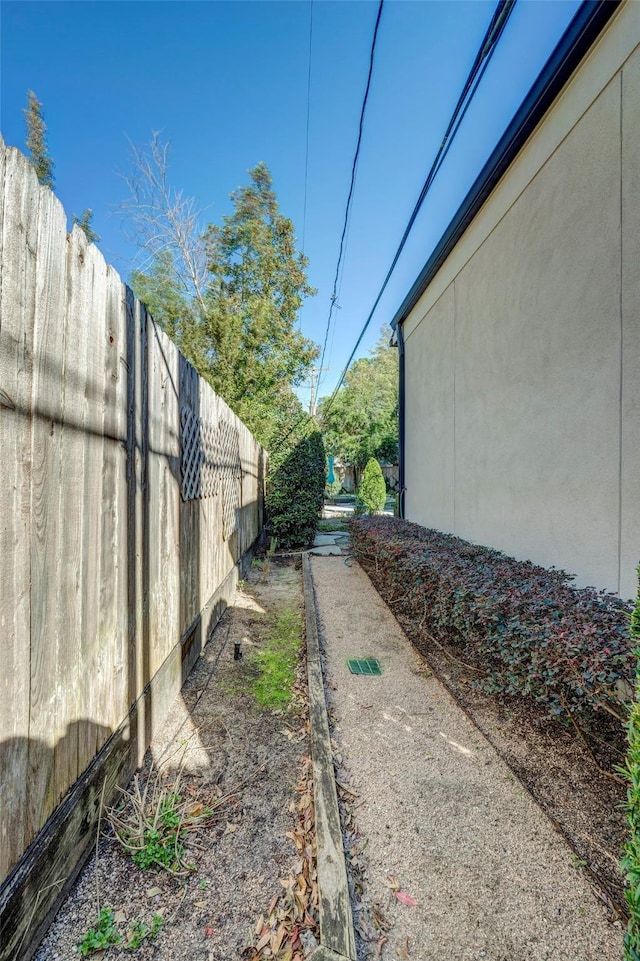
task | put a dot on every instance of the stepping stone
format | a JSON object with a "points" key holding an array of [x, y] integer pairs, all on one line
{"points": [[323, 539], [326, 550]]}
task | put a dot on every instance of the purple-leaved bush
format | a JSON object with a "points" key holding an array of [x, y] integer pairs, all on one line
{"points": [[527, 629]]}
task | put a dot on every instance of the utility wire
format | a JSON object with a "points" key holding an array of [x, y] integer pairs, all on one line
{"points": [[334, 294], [306, 155], [480, 64]]}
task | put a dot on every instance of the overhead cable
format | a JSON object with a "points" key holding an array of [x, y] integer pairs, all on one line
{"points": [[354, 165], [487, 48]]}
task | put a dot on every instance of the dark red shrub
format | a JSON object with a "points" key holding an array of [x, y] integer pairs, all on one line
{"points": [[527, 628]]}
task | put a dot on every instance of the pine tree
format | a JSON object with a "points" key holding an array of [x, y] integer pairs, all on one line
{"points": [[257, 286], [84, 223], [36, 140]]}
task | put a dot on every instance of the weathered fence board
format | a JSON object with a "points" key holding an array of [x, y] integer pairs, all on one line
{"points": [[110, 581], [19, 230], [47, 522]]}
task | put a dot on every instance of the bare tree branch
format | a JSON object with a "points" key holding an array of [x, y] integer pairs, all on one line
{"points": [[163, 219]]}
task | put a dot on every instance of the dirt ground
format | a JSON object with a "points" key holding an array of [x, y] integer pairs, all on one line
{"points": [[229, 748]]}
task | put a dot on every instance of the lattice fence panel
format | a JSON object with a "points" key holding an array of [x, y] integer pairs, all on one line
{"points": [[230, 471], [199, 455]]}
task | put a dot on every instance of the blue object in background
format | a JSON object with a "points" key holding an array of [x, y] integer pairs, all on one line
{"points": [[331, 476]]}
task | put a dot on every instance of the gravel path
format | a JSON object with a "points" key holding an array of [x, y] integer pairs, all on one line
{"points": [[444, 818]]}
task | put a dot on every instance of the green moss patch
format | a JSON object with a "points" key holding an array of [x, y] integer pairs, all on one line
{"points": [[277, 660]]}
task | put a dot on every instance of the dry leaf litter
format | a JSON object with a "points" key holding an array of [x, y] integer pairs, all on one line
{"points": [[234, 780]]}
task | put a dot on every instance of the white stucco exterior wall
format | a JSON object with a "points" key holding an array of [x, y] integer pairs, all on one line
{"points": [[522, 357]]}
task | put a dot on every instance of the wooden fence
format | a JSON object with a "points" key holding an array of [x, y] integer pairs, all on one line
{"points": [[129, 495]]}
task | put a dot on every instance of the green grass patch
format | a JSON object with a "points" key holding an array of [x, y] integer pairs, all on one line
{"points": [[326, 526], [277, 661]]}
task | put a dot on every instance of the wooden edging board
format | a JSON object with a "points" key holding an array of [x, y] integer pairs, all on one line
{"points": [[337, 938]]}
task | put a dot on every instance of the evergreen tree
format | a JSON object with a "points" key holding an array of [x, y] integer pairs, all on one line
{"points": [[36, 141], [258, 284], [229, 295], [84, 223], [362, 421], [165, 299], [372, 492]]}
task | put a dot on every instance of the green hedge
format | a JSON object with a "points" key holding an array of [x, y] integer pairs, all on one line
{"points": [[295, 493], [526, 628], [631, 859]]}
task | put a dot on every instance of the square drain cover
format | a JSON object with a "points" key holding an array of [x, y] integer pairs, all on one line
{"points": [[365, 665]]}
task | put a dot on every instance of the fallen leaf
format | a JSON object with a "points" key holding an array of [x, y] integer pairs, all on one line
{"points": [[208, 931], [200, 904], [392, 883], [403, 952], [264, 941], [405, 898], [153, 892], [259, 925], [120, 917], [277, 938], [230, 828]]}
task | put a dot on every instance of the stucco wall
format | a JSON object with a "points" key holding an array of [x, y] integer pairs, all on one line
{"points": [[523, 354]]}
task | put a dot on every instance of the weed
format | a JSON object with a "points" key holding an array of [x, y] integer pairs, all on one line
{"points": [[154, 822], [204, 884], [577, 862], [139, 931], [102, 936], [162, 843], [264, 563], [277, 661]]}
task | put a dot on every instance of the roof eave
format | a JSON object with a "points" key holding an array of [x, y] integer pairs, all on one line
{"points": [[585, 28]]}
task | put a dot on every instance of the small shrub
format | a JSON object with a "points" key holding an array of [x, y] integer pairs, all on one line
{"points": [[372, 492], [527, 629], [295, 493], [631, 860]]}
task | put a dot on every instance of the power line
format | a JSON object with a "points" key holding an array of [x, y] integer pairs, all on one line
{"points": [[334, 295], [306, 155], [480, 64]]}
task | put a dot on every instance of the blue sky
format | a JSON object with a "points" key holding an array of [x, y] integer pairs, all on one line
{"points": [[226, 82]]}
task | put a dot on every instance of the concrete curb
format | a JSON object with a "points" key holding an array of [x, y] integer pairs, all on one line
{"points": [[337, 938]]}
